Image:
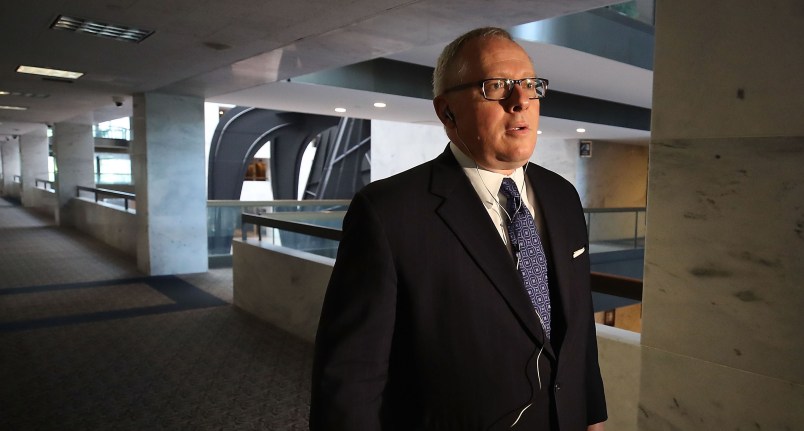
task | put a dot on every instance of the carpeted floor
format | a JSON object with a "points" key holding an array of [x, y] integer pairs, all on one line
{"points": [[89, 343]]}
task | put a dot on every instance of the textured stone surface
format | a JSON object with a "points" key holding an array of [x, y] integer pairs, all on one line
{"points": [[684, 393], [167, 158], [113, 226], [728, 68], [724, 253], [281, 286], [396, 146], [620, 364], [33, 162], [74, 147]]}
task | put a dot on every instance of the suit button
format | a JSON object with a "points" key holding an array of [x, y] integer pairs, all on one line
{"points": [[558, 387]]}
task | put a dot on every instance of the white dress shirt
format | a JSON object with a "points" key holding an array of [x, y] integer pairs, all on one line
{"points": [[487, 186]]}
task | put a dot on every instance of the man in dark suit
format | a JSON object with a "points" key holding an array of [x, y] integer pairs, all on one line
{"points": [[431, 319]]}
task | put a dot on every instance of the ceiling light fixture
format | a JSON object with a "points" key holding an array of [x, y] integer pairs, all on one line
{"points": [[14, 108], [100, 29], [379, 105], [580, 130], [19, 94], [55, 73], [340, 110]]}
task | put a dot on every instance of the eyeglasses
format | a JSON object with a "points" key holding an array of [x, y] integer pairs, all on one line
{"points": [[501, 88]]}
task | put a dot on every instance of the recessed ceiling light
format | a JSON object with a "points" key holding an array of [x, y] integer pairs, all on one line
{"points": [[14, 108], [55, 73], [580, 130], [340, 109], [100, 29], [379, 105], [19, 94]]}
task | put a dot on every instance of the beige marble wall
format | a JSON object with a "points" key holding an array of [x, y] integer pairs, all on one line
{"points": [[281, 286], [620, 363], [708, 51], [726, 251], [44, 202], [113, 226], [724, 261], [615, 176]]}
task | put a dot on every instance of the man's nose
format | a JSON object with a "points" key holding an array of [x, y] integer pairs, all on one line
{"points": [[518, 100]]}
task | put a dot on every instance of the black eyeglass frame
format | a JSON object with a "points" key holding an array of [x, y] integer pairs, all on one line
{"points": [[508, 81]]}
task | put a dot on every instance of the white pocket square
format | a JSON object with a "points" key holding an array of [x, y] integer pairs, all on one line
{"points": [[578, 252]]}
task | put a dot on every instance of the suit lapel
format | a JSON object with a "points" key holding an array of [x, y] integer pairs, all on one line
{"points": [[465, 215], [553, 209]]}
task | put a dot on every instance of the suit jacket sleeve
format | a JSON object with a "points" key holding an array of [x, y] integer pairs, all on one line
{"points": [[596, 398], [356, 328]]}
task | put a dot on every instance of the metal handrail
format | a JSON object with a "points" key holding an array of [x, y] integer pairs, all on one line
{"points": [[279, 203], [614, 210], [635, 210], [106, 192], [610, 284], [616, 285], [46, 184], [282, 221]]}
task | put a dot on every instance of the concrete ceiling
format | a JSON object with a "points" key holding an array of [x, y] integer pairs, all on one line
{"points": [[241, 51]]}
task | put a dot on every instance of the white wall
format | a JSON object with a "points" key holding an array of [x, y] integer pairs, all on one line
{"points": [[396, 147], [558, 155]]}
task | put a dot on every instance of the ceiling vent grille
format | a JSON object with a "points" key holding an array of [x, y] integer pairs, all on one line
{"points": [[108, 31]]}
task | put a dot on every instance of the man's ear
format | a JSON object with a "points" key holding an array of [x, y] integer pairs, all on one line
{"points": [[446, 116]]}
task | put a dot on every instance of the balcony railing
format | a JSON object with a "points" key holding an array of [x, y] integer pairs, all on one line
{"points": [[111, 197], [46, 185], [225, 221], [615, 228]]}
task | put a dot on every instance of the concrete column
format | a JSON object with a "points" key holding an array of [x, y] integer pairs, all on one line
{"points": [[33, 162], [10, 148], [167, 158], [74, 150], [724, 263]]}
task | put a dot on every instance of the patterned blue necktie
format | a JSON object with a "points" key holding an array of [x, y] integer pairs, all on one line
{"points": [[528, 251]]}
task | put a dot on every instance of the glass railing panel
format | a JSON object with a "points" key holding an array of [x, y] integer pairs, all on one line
{"points": [[313, 232], [613, 229], [225, 222]]}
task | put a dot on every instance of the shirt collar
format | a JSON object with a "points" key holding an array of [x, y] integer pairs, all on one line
{"points": [[486, 183]]}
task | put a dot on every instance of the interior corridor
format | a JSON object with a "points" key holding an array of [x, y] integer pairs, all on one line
{"points": [[89, 343]]}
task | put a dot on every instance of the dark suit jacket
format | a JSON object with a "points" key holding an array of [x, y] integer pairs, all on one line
{"points": [[426, 324]]}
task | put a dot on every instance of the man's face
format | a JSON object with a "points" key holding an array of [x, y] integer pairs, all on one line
{"points": [[499, 135]]}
